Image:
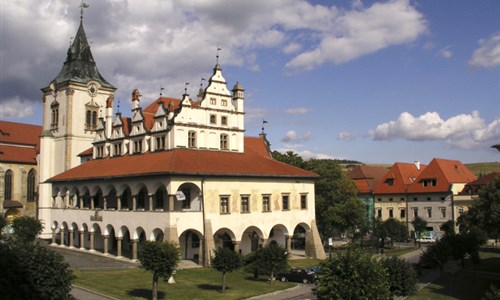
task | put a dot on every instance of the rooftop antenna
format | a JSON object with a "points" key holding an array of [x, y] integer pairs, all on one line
{"points": [[82, 6], [218, 49], [263, 122], [161, 89], [186, 83]]}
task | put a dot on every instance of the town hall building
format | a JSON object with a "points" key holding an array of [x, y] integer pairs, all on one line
{"points": [[177, 169]]}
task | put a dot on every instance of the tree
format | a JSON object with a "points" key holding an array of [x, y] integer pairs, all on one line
{"points": [[272, 259], [352, 275], [160, 258], [419, 225], [224, 261], [290, 158], [484, 213], [396, 230], [402, 277], [34, 271]]}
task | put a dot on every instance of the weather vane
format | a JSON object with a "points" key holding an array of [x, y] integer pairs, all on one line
{"points": [[218, 49], [118, 106], [263, 122], [201, 82], [186, 83], [82, 6], [161, 89]]}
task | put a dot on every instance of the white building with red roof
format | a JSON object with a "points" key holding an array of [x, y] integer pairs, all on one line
{"points": [[178, 169]]}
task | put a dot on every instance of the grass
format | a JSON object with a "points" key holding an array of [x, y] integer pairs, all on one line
{"points": [[199, 283], [484, 168], [470, 283]]}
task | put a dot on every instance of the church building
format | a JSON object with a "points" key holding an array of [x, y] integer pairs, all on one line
{"points": [[177, 169]]}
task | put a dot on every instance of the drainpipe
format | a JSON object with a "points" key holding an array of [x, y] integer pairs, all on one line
{"points": [[204, 250]]}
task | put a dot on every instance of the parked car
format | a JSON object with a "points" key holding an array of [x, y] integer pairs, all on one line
{"points": [[297, 275], [426, 239]]}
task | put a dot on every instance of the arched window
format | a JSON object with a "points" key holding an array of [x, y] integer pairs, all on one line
{"points": [[87, 119], [54, 123], [30, 184], [94, 119], [8, 185]]}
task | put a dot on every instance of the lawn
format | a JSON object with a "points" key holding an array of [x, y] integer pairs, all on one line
{"points": [[199, 283], [470, 283]]}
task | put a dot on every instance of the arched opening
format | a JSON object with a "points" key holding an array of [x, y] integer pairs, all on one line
{"points": [[111, 200], [190, 244], [188, 198], [159, 199], [126, 199], [142, 198], [98, 200], [299, 238]]}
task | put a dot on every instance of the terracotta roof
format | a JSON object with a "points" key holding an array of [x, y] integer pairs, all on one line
{"points": [[367, 177], [87, 152], [402, 176], [474, 186], [19, 133], [252, 163], [153, 107], [446, 172], [16, 154]]}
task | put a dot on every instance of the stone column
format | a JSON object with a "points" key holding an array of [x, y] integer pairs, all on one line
{"points": [[66, 201], [104, 202], [61, 233], [54, 236], [80, 202], [171, 203], [92, 202], [54, 203], [82, 240], [237, 246], [92, 234], [71, 200], [134, 250], [150, 198], [71, 238], [118, 203], [106, 237], [134, 202], [288, 243], [119, 247]]}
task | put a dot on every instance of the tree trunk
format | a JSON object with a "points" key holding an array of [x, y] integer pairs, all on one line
{"points": [[155, 286], [223, 282], [272, 277]]}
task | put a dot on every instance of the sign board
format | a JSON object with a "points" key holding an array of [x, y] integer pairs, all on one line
{"points": [[179, 195], [330, 242]]}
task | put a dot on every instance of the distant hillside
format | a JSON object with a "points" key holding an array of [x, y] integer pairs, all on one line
{"points": [[483, 168]]}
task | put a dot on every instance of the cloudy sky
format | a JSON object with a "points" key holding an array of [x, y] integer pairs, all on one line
{"points": [[375, 81]]}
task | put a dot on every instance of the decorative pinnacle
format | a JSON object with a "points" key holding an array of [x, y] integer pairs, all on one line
{"points": [[82, 6], [186, 87], [217, 56]]}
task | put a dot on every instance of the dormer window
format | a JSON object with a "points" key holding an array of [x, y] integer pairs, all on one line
{"points": [[213, 119], [429, 182], [390, 181], [223, 120]]}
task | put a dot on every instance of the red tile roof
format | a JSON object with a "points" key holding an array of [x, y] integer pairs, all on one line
{"points": [[474, 186], [252, 163], [446, 172], [21, 142], [153, 107], [19, 133], [402, 175], [367, 177], [15, 154]]}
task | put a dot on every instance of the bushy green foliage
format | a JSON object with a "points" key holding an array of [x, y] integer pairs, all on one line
{"points": [[419, 225], [160, 258], [493, 293], [32, 271], [390, 228], [272, 259], [226, 260], [402, 277], [352, 275]]}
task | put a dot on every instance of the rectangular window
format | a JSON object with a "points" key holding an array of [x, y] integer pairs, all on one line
{"points": [[245, 206], [379, 199], [428, 198], [303, 201], [266, 205], [285, 202], [390, 199], [213, 119], [391, 213], [224, 204], [118, 149], [192, 139], [460, 210], [443, 212], [137, 147], [415, 199], [160, 143], [223, 102], [379, 213], [224, 144], [415, 212], [223, 120], [401, 199], [402, 213], [213, 101], [429, 212]]}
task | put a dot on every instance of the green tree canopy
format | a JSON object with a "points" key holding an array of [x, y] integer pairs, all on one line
{"points": [[402, 277], [290, 158], [226, 261], [159, 258], [272, 259], [419, 225], [352, 275]]}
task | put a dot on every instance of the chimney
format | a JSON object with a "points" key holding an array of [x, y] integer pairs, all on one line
{"points": [[417, 164]]}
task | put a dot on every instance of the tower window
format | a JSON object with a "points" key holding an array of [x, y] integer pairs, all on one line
{"points": [[54, 123], [192, 139], [30, 184], [224, 144], [91, 113], [8, 185]]}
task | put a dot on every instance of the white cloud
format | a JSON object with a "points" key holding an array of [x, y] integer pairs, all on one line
{"points": [[364, 31], [488, 54], [298, 111], [464, 131], [15, 108], [307, 154], [345, 135], [292, 48], [292, 139], [445, 52]]}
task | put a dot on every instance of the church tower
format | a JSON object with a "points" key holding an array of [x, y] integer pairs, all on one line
{"points": [[73, 102]]}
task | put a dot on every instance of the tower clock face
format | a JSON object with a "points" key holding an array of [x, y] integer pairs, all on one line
{"points": [[92, 90]]}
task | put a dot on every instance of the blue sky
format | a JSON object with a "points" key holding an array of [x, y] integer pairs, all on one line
{"points": [[374, 81]]}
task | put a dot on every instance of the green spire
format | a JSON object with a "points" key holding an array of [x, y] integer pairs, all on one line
{"points": [[80, 65]]}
